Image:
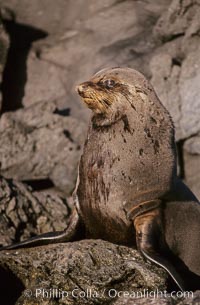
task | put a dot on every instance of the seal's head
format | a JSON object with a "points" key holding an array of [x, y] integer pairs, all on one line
{"points": [[112, 91]]}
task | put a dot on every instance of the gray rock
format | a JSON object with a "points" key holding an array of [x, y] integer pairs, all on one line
{"points": [[192, 145], [190, 93], [192, 173], [24, 213], [47, 81], [176, 67], [88, 272], [44, 81], [45, 14], [180, 17], [165, 79], [41, 142], [83, 38]]}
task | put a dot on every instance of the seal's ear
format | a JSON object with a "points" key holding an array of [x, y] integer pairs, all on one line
{"points": [[151, 243], [132, 90]]}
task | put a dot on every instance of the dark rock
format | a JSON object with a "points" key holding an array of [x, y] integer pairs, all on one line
{"points": [[39, 142], [24, 213], [92, 270], [4, 44]]}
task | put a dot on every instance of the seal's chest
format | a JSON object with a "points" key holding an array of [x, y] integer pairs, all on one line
{"points": [[101, 197], [103, 186], [107, 161]]}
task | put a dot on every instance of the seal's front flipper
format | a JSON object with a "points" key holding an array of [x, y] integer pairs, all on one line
{"points": [[69, 234], [151, 242]]}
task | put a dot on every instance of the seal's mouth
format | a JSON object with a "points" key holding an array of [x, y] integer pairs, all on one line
{"points": [[91, 104]]}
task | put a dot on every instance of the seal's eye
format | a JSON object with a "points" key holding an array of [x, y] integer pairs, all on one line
{"points": [[109, 83]]}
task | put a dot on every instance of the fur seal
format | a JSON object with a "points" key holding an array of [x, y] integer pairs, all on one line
{"points": [[128, 191]]}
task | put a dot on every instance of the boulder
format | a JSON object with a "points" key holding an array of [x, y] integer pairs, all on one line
{"points": [[84, 272], [24, 213], [41, 142]]}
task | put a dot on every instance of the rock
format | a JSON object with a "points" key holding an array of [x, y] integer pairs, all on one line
{"points": [[185, 298], [192, 173], [86, 272], [43, 81], [190, 93], [157, 300], [165, 79], [63, 16], [4, 44], [55, 18], [176, 67], [47, 81], [180, 17], [41, 142], [195, 300], [74, 29], [24, 213], [192, 145]]}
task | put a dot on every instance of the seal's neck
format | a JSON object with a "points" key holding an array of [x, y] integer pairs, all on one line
{"points": [[102, 120]]}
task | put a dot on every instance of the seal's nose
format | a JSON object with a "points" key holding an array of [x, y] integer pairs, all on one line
{"points": [[81, 88]]}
